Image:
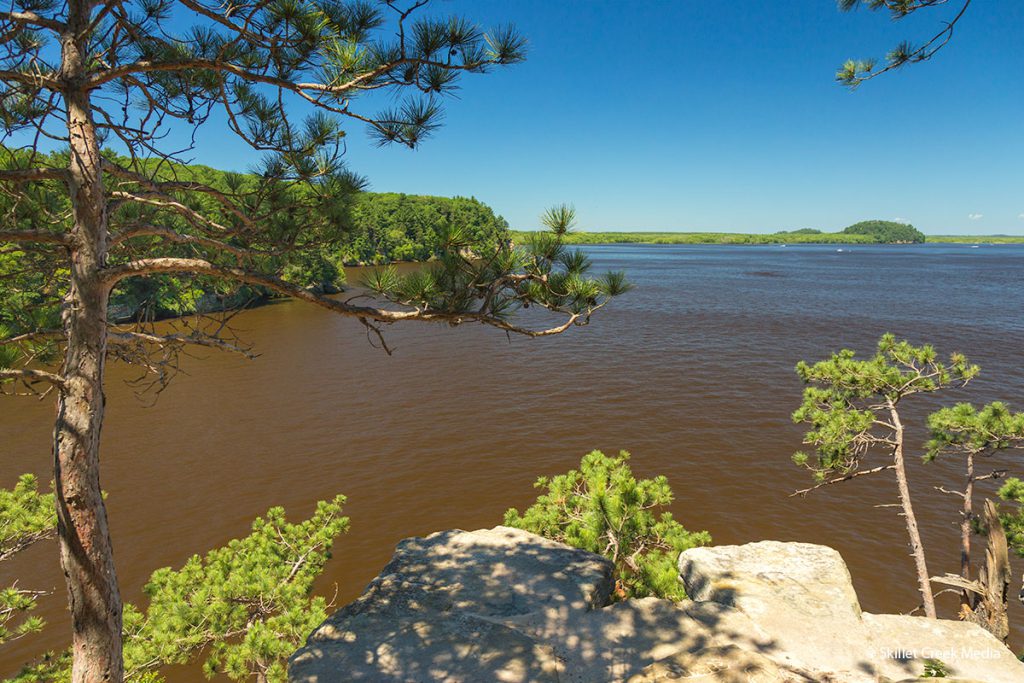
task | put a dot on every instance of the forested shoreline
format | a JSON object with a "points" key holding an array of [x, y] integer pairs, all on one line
{"points": [[346, 228], [864, 232], [738, 238], [382, 228]]}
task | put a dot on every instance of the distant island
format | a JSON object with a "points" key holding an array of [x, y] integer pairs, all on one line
{"points": [[864, 232]]}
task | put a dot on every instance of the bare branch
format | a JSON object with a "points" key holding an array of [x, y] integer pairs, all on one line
{"points": [[164, 187], [162, 341], [168, 202], [21, 175], [23, 542], [31, 376], [943, 489], [837, 480], [181, 238], [38, 236], [33, 19]]}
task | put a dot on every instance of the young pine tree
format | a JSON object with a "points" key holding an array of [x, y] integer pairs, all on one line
{"points": [[603, 508], [853, 409], [241, 609], [973, 434]]}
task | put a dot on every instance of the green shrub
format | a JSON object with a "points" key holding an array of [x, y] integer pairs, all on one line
{"points": [[604, 509], [241, 609]]}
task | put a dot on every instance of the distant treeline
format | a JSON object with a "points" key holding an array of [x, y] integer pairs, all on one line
{"points": [[706, 238], [865, 232], [977, 239]]}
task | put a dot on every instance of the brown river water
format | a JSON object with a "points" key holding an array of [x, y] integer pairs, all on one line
{"points": [[692, 372]]}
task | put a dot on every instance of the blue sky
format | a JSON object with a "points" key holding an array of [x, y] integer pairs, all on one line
{"points": [[714, 115]]}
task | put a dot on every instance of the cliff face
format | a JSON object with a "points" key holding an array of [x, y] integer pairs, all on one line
{"points": [[506, 605]]}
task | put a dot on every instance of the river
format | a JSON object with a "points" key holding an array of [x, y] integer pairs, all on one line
{"points": [[692, 373]]}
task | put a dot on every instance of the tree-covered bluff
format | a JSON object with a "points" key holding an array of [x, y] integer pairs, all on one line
{"points": [[381, 228], [374, 227], [348, 227], [887, 232]]}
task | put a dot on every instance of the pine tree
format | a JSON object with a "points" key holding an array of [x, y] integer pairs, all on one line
{"points": [[112, 85], [973, 433], [853, 409], [604, 509], [242, 608]]}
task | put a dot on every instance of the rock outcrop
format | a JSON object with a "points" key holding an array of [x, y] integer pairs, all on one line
{"points": [[506, 605]]}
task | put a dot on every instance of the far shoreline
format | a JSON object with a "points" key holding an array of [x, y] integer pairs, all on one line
{"points": [[756, 239]]}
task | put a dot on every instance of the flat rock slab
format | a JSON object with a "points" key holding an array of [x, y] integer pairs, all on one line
{"points": [[506, 605], [435, 611], [800, 598], [728, 664], [967, 650]]}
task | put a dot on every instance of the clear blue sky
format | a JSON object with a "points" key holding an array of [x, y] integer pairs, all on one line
{"points": [[715, 115]]}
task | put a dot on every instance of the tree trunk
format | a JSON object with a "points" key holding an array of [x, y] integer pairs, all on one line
{"points": [[967, 515], [916, 547], [85, 550]]}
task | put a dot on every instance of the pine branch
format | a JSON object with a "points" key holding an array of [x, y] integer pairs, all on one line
{"points": [[21, 175], [36, 236], [152, 266], [31, 377], [33, 19], [837, 480], [162, 341]]}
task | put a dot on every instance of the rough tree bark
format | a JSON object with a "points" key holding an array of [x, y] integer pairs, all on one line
{"points": [[85, 550], [965, 528], [916, 547]]}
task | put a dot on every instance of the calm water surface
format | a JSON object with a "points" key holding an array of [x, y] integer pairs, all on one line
{"points": [[692, 372]]}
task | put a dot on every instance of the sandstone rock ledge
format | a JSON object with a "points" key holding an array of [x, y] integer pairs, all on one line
{"points": [[506, 605]]}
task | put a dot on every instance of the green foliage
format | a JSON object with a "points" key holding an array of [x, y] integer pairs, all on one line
{"points": [[853, 72], [244, 607], [604, 509], [26, 516], [963, 428], [849, 401], [1012, 515], [391, 227], [968, 431], [52, 667], [16, 602], [935, 668], [308, 238], [499, 281], [888, 232], [802, 236]]}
